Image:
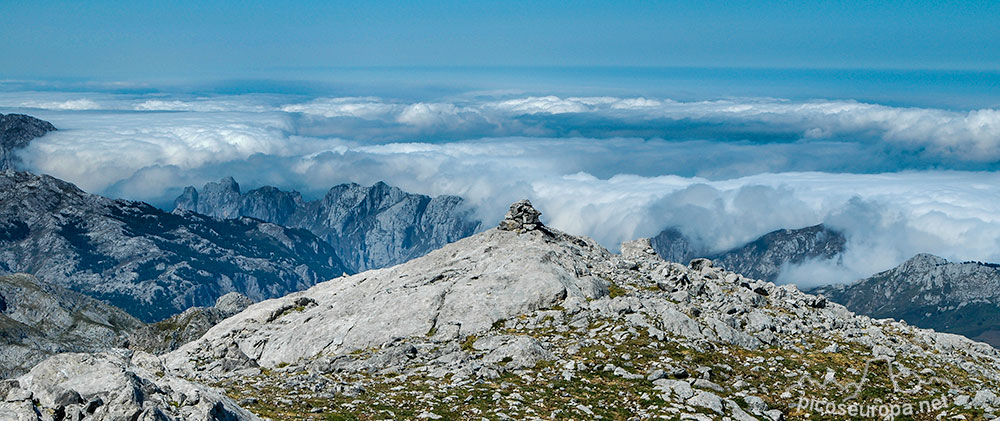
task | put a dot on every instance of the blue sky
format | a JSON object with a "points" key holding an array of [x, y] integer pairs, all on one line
{"points": [[146, 39]]}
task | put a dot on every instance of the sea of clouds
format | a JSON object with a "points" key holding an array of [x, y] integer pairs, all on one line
{"points": [[897, 180]]}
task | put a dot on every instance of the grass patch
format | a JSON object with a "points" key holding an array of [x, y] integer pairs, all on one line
{"points": [[467, 344], [614, 290]]}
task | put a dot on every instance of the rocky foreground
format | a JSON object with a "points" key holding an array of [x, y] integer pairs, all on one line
{"points": [[524, 321]]}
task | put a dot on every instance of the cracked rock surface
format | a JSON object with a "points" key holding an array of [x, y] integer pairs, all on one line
{"points": [[114, 385]]}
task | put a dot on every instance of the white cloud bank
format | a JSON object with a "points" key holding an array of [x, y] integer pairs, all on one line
{"points": [[961, 135], [970, 135], [594, 165]]}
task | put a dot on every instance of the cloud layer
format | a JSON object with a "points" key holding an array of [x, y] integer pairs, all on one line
{"points": [[897, 180], [959, 136], [965, 136]]}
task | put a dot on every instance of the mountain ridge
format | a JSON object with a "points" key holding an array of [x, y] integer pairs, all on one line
{"points": [[761, 258], [369, 227], [38, 320], [150, 263], [930, 292]]}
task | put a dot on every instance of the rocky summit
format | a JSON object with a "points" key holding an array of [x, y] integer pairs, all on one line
{"points": [[533, 324], [148, 262], [931, 292], [368, 227], [16, 131]]}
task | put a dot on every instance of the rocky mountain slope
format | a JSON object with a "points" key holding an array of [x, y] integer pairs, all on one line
{"points": [[38, 320], [761, 258], [147, 262], [930, 292], [16, 131], [369, 227], [168, 335], [524, 321]]}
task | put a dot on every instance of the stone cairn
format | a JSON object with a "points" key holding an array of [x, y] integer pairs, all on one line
{"points": [[521, 218]]}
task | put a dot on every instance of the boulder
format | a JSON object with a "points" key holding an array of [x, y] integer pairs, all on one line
{"points": [[521, 352], [116, 385], [232, 303]]}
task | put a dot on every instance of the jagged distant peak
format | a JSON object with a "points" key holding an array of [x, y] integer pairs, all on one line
{"points": [[369, 226], [230, 183], [763, 257], [925, 259]]}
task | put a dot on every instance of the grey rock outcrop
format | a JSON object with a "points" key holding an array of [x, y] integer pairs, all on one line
{"points": [[461, 289], [518, 352], [113, 386], [232, 303], [150, 263], [16, 131], [39, 320], [368, 227], [930, 292], [168, 335], [762, 258]]}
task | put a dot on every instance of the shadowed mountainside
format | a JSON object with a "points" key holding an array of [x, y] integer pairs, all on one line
{"points": [[16, 131], [148, 262], [369, 227], [930, 292]]}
